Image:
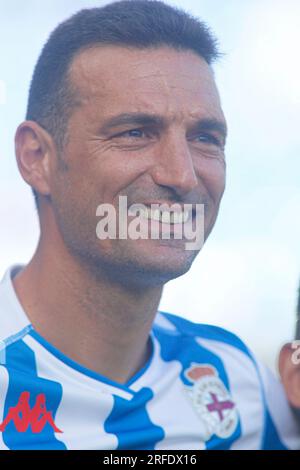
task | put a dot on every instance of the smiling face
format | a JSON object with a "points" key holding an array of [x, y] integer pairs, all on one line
{"points": [[149, 126]]}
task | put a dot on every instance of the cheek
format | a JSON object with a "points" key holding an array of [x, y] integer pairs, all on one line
{"points": [[218, 182], [72, 192], [212, 174], [110, 175]]}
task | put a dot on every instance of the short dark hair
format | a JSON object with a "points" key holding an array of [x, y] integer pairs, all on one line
{"points": [[132, 23], [298, 316]]}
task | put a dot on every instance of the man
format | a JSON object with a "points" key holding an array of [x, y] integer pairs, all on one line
{"points": [[123, 103], [289, 367]]}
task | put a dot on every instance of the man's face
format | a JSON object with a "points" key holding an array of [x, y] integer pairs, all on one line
{"points": [[172, 154]]}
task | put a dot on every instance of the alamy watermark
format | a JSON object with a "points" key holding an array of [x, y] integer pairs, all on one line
{"points": [[296, 354], [154, 221]]}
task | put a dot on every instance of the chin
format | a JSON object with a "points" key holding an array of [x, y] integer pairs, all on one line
{"points": [[143, 273], [150, 266], [164, 270]]}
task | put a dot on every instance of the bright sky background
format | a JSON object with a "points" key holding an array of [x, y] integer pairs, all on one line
{"points": [[246, 277]]}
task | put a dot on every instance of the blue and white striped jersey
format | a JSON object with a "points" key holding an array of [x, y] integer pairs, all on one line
{"points": [[201, 389]]}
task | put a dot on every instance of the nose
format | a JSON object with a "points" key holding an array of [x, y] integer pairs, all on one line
{"points": [[173, 166]]}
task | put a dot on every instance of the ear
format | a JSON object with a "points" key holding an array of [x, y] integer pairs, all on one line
{"points": [[35, 153], [289, 368]]}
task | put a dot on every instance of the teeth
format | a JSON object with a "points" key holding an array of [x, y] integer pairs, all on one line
{"points": [[186, 215], [167, 217], [154, 214]]}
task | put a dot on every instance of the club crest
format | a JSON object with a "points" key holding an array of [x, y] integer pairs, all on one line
{"points": [[211, 400]]}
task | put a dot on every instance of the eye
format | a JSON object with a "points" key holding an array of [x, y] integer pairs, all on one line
{"points": [[208, 139], [134, 133]]}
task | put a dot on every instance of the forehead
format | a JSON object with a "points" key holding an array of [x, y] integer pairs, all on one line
{"points": [[160, 80]]}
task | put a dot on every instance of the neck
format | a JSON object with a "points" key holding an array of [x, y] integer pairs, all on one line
{"points": [[102, 326]]}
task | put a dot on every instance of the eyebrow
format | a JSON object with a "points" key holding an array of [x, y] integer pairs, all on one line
{"points": [[139, 119], [211, 124], [154, 120]]}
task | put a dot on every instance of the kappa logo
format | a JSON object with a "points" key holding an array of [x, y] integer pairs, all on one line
{"points": [[211, 400], [23, 416]]}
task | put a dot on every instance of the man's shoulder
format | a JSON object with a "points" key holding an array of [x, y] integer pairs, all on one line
{"points": [[170, 324], [219, 362]]}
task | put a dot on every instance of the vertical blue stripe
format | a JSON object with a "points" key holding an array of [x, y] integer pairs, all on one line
{"points": [[271, 440], [10, 340], [130, 422], [21, 367]]}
